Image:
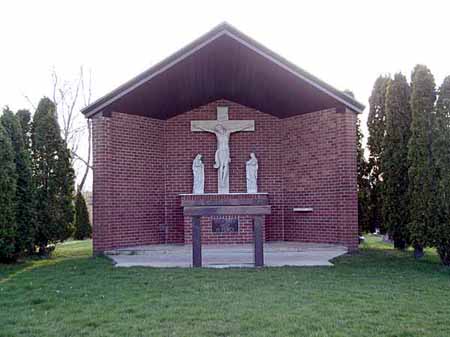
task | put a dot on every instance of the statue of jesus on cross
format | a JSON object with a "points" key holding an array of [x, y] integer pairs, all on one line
{"points": [[223, 128]]}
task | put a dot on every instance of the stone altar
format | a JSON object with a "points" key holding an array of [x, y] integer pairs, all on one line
{"points": [[236, 204]]}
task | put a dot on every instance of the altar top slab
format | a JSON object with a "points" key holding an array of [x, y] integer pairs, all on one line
{"points": [[231, 199], [224, 194]]}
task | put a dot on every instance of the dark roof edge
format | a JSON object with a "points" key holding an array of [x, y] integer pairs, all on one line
{"points": [[222, 29]]}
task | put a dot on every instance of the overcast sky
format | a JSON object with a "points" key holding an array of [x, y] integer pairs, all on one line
{"points": [[345, 43]]}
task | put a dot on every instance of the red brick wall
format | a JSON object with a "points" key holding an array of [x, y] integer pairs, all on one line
{"points": [[319, 171], [141, 165], [128, 189], [102, 178], [347, 184]]}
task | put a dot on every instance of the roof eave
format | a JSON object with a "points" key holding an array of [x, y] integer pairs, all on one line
{"points": [[222, 29]]}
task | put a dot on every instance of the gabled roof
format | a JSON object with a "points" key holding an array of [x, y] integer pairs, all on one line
{"points": [[223, 64]]}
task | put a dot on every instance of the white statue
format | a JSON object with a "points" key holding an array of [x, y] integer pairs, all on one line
{"points": [[222, 156], [223, 128], [251, 168], [198, 169]]}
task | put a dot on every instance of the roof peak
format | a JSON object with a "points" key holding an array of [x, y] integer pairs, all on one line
{"points": [[223, 28], [224, 25]]}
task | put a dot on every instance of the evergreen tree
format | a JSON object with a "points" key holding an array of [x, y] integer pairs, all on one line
{"points": [[8, 230], [363, 183], [421, 173], [82, 224], [362, 178], [24, 118], [394, 160], [376, 124], [24, 196], [441, 159], [53, 178]]}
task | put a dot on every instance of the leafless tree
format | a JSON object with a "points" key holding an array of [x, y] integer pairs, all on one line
{"points": [[69, 97]]}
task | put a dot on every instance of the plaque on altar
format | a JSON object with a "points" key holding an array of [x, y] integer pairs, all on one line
{"points": [[225, 225]]}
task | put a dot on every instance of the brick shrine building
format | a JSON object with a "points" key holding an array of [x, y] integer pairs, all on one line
{"points": [[143, 147]]}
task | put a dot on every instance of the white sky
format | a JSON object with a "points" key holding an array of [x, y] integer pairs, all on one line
{"points": [[345, 43]]}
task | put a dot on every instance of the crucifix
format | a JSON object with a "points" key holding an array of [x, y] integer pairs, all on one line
{"points": [[222, 128]]}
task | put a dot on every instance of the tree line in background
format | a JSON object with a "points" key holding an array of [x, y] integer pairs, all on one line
{"points": [[38, 203], [404, 186]]}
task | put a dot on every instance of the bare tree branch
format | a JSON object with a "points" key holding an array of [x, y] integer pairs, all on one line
{"points": [[55, 84], [68, 96], [74, 101], [30, 102], [83, 180], [85, 162]]}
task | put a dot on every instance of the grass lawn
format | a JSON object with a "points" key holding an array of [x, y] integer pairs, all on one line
{"points": [[376, 292]]}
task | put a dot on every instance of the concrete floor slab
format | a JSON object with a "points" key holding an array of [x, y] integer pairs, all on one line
{"points": [[276, 254]]}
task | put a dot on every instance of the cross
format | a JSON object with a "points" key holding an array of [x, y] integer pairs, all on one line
{"points": [[222, 128]]}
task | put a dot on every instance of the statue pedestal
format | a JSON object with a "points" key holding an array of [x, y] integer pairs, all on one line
{"points": [[225, 218]]}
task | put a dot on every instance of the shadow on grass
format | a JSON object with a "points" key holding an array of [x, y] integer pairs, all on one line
{"points": [[376, 254], [69, 250]]}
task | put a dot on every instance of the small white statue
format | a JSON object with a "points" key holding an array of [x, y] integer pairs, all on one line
{"points": [[252, 174], [198, 169]]}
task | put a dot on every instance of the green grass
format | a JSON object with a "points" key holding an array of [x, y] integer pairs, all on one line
{"points": [[376, 292]]}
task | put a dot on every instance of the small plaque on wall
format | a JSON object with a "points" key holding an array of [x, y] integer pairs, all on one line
{"points": [[225, 225]]}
